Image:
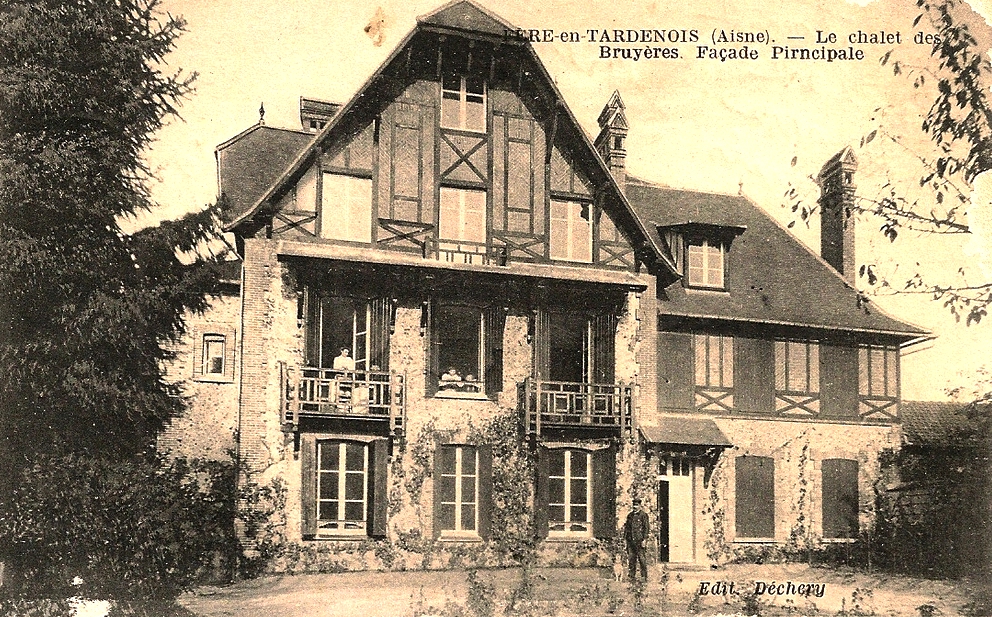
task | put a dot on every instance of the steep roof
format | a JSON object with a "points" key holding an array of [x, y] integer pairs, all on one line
{"points": [[771, 276], [931, 422], [458, 17], [252, 160]]}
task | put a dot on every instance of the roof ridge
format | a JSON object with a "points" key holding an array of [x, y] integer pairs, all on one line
{"points": [[251, 129]]}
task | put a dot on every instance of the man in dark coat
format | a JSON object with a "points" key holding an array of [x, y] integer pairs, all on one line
{"points": [[636, 531]]}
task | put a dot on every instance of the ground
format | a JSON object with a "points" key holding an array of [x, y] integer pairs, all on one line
{"points": [[567, 592]]}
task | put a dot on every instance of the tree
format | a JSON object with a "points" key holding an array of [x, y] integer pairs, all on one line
{"points": [[958, 124], [88, 312]]}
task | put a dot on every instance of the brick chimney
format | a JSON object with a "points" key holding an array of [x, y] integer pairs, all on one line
{"points": [[836, 201], [611, 142]]}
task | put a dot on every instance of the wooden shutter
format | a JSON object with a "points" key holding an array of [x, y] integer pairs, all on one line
{"points": [[755, 497], [308, 484], [494, 320], [379, 487], [541, 493], [311, 327], [436, 499], [676, 383], [196, 336], [603, 330], [485, 491], [754, 375], [840, 498], [604, 487], [381, 320], [542, 344], [432, 344]]}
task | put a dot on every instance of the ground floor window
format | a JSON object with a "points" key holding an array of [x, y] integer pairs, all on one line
{"points": [[344, 489], [575, 492], [754, 492], [839, 484], [462, 490]]}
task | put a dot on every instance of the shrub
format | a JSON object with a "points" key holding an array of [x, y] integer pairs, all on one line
{"points": [[137, 533]]}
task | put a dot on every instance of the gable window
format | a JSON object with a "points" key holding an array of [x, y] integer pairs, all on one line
{"points": [[346, 208], [463, 103], [705, 267], [344, 486], [462, 226], [213, 356], [797, 377], [714, 372], [840, 502], [465, 355], [754, 491], [571, 231]]}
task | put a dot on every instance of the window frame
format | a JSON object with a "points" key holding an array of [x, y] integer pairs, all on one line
{"points": [[201, 338], [890, 361], [471, 250], [342, 444], [570, 222], [459, 476], [462, 95], [704, 244], [207, 366], [480, 378], [364, 233], [568, 503]]}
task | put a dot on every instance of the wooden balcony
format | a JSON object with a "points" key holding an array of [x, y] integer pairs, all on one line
{"points": [[329, 393], [562, 404]]}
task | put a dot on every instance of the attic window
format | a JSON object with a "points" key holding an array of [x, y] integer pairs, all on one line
{"points": [[705, 264], [463, 103]]}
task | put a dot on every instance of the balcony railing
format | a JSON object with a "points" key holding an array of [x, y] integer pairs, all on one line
{"points": [[563, 404], [464, 252], [331, 393]]}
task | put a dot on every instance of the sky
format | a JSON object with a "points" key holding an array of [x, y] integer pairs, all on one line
{"points": [[753, 126]]}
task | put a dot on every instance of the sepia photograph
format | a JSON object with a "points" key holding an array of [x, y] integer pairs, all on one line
{"points": [[492, 308]]}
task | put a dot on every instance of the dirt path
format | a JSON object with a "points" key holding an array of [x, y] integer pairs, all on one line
{"points": [[581, 592]]}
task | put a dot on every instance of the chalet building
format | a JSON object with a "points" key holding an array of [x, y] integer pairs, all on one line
{"points": [[447, 264]]}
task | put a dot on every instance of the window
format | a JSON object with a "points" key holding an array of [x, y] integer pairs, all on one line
{"points": [[879, 371], [714, 370], [344, 486], [213, 354], [463, 103], [570, 493], [705, 264], [575, 493], [465, 355], [462, 226], [797, 377], [839, 480], [458, 489], [346, 208], [575, 347], [754, 492], [571, 231]]}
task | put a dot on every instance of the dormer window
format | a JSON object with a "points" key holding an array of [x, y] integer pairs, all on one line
{"points": [[705, 264], [463, 103]]}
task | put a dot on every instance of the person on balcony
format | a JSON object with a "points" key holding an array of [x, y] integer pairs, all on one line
{"points": [[344, 361]]}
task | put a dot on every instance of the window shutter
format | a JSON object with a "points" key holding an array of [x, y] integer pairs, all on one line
{"points": [[542, 344], [840, 498], [230, 352], [379, 487], [436, 501], [197, 337], [485, 491], [433, 347], [604, 488], [755, 496], [604, 328], [381, 314], [494, 320], [675, 371], [311, 320], [541, 494], [308, 486]]}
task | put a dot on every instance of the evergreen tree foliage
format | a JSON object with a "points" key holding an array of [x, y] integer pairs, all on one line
{"points": [[88, 311]]}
